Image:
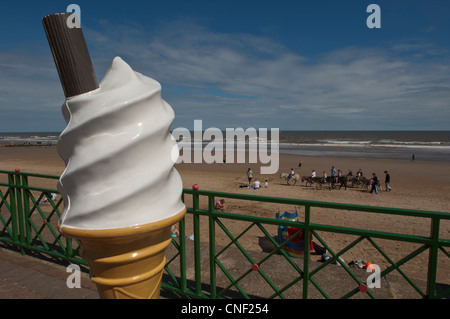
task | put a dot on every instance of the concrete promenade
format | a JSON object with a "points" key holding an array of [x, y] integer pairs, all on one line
{"points": [[28, 277]]}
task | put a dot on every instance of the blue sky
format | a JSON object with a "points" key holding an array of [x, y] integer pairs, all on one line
{"points": [[293, 65]]}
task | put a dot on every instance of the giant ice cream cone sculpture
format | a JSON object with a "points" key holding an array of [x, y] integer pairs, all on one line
{"points": [[121, 191]]}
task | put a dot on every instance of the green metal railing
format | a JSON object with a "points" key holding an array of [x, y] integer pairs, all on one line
{"points": [[29, 215]]}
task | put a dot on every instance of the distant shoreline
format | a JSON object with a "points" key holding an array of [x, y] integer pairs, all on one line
{"points": [[28, 145], [429, 146]]}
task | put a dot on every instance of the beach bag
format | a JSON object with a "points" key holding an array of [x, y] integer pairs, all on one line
{"points": [[296, 247]]}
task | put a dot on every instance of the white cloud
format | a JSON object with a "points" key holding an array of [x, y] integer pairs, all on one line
{"points": [[31, 95], [231, 80]]}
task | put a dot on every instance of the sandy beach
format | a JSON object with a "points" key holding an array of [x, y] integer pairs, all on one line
{"points": [[415, 185]]}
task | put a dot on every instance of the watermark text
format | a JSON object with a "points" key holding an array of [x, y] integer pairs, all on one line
{"points": [[215, 146]]}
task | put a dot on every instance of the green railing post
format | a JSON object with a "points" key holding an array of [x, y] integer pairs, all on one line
{"points": [[306, 236], [212, 247], [19, 201], [13, 209], [433, 258], [197, 260], [26, 209], [69, 248], [182, 231], [19, 208]]}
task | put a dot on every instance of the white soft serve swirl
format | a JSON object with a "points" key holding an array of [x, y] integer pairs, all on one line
{"points": [[118, 153]]}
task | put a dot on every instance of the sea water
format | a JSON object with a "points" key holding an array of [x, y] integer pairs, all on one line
{"points": [[424, 145], [400, 145]]}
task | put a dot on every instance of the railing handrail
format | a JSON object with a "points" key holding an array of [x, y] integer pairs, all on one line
{"points": [[278, 200], [340, 206], [30, 174], [321, 227]]}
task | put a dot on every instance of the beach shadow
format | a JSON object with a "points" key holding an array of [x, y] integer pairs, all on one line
{"points": [[441, 288], [265, 244], [284, 184], [42, 256]]}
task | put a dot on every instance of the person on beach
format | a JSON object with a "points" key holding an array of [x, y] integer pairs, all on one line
{"points": [[174, 231], [52, 196], [256, 184], [359, 174], [374, 182], [387, 181], [413, 158], [313, 174], [350, 173], [266, 184], [324, 178], [220, 205], [291, 174], [333, 172], [300, 164], [249, 175]]}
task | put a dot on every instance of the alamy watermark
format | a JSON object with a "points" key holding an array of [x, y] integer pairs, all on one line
{"points": [[74, 279], [74, 20], [374, 19], [215, 146], [373, 281]]}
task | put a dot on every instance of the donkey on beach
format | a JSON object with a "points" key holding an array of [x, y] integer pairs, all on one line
{"points": [[294, 178]]}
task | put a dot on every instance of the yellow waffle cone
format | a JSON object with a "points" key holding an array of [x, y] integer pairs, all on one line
{"points": [[126, 263]]}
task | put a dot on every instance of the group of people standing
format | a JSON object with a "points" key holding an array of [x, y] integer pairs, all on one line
{"points": [[374, 182], [336, 174], [256, 183]]}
